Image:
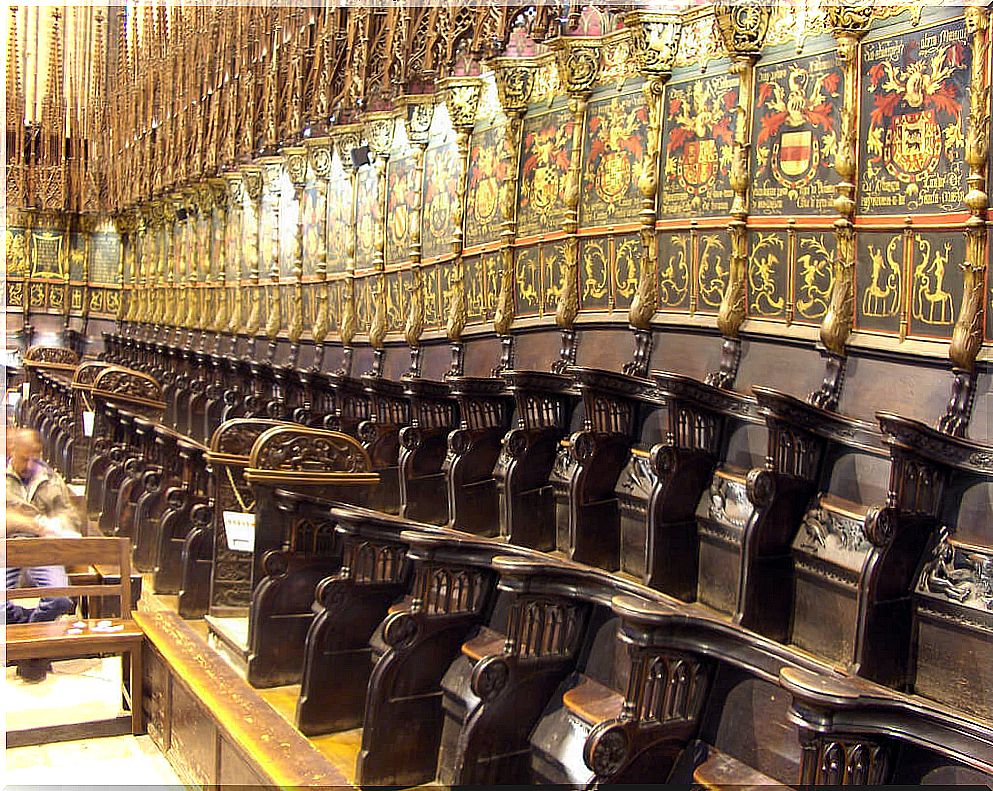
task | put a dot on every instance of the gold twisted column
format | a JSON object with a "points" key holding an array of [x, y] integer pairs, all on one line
{"points": [[849, 24], [320, 152], [417, 121], [252, 175], [654, 40], [967, 336], [579, 68], [296, 167], [742, 25], [345, 141], [462, 99], [379, 133], [514, 80]]}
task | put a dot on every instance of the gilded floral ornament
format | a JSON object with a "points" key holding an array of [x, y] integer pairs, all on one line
{"points": [[852, 17], [321, 153], [579, 63], [252, 175], [514, 81], [654, 41], [462, 100], [742, 25], [296, 164], [378, 129]]}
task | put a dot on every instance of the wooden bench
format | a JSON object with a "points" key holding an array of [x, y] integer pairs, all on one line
{"points": [[60, 639]]}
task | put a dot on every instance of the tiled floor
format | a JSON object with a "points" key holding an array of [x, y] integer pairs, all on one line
{"points": [[77, 691]]}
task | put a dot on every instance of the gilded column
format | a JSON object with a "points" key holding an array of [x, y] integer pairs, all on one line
{"points": [[654, 41], [252, 175], [579, 67], [379, 134], [462, 99], [320, 151], [849, 24], [742, 25], [272, 172], [967, 336], [296, 167], [345, 141], [219, 323], [234, 240], [514, 79], [419, 113]]}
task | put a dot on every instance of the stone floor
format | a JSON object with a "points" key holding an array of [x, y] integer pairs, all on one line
{"points": [[76, 691]]}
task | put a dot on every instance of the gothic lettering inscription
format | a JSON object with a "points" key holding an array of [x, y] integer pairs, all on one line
{"points": [[46, 255], [795, 133], [698, 132], [441, 169], [105, 256], [914, 97], [614, 156], [547, 152], [487, 172]]}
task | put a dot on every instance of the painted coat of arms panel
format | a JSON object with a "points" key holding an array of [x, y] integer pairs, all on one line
{"points": [[368, 214], [698, 132], [339, 223], [914, 108], [545, 162], [401, 208], [613, 157], [487, 172], [796, 130], [441, 190]]}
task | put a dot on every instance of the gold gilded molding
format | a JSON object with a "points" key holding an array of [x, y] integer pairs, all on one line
{"points": [[967, 336], [462, 99], [849, 22], [321, 153], [514, 80], [579, 67], [379, 129], [417, 121], [742, 26]]}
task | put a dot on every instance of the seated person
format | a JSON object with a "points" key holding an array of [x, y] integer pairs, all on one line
{"points": [[38, 504]]}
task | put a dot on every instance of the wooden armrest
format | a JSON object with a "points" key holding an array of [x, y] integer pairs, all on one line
{"points": [[485, 643], [721, 771], [593, 702], [401, 606]]}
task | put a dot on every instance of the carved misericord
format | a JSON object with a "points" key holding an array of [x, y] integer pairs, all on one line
{"points": [[958, 574]]}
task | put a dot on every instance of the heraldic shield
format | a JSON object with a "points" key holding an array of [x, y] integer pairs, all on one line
{"points": [[913, 145]]}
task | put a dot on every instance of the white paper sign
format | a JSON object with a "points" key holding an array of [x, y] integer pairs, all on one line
{"points": [[88, 418], [26, 390], [240, 530]]}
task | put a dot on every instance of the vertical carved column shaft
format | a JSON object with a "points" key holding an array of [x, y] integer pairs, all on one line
{"points": [[850, 26], [967, 337], [235, 231], [296, 166], [348, 318], [320, 161], [420, 111], [379, 133], [514, 82], [253, 250], [579, 68], [220, 318], [273, 170]]}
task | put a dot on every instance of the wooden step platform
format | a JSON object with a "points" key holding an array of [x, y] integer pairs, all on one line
{"points": [[216, 729]]}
